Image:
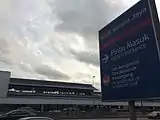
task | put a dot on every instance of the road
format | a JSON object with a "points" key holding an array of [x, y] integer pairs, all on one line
{"points": [[121, 119], [112, 119]]}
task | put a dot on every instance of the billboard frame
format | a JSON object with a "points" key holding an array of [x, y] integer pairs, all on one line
{"points": [[156, 30]]}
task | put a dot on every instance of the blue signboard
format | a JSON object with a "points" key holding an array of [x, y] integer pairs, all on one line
{"points": [[129, 55]]}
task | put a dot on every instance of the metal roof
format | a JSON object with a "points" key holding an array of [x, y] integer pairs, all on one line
{"points": [[43, 83]]}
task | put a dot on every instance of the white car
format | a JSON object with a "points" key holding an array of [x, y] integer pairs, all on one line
{"points": [[36, 118], [16, 114], [29, 109], [154, 115]]}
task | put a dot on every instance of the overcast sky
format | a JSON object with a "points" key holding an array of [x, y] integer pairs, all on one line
{"points": [[55, 39]]}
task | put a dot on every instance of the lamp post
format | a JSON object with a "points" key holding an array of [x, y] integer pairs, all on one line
{"points": [[93, 80]]}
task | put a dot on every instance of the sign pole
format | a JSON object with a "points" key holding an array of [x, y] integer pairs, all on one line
{"points": [[132, 110]]}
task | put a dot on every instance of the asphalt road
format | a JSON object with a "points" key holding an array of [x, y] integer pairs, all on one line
{"points": [[113, 119], [122, 119]]}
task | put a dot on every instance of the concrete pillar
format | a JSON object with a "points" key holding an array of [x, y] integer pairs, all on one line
{"points": [[42, 107]]}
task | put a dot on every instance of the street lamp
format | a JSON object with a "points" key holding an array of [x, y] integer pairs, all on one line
{"points": [[93, 80]]}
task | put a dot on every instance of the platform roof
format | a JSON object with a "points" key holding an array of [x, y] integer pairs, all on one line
{"points": [[43, 83]]}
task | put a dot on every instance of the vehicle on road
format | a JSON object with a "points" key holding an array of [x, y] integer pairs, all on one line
{"points": [[16, 114], [36, 118], [29, 109], [154, 115]]}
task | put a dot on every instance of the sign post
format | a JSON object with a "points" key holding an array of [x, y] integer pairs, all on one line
{"points": [[132, 110], [130, 55]]}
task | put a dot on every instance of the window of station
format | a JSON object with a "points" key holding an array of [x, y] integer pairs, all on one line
{"points": [[21, 90], [29, 90]]}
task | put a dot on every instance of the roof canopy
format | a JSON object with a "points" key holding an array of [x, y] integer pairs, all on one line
{"points": [[40, 83]]}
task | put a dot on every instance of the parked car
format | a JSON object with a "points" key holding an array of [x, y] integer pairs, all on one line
{"points": [[154, 115], [29, 109], [36, 118], [16, 114]]}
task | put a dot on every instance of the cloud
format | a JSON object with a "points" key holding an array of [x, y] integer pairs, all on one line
{"points": [[85, 78], [3, 46], [54, 39], [85, 17], [51, 73], [86, 57], [4, 50]]}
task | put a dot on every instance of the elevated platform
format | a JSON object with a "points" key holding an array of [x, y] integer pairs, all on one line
{"points": [[67, 101]]}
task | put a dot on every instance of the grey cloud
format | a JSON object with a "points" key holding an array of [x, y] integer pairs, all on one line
{"points": [[4, 51], [3, 46], [23, 34], [5, 60], [26, 67], [51, 73], [86, 57], [80, 75], [86, 78], [85, 17]]}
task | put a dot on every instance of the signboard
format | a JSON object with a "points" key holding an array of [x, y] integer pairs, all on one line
{"points": [[129, 54]]}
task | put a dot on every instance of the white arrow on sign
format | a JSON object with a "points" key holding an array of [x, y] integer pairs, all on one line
{"points": [[105, 58]]}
